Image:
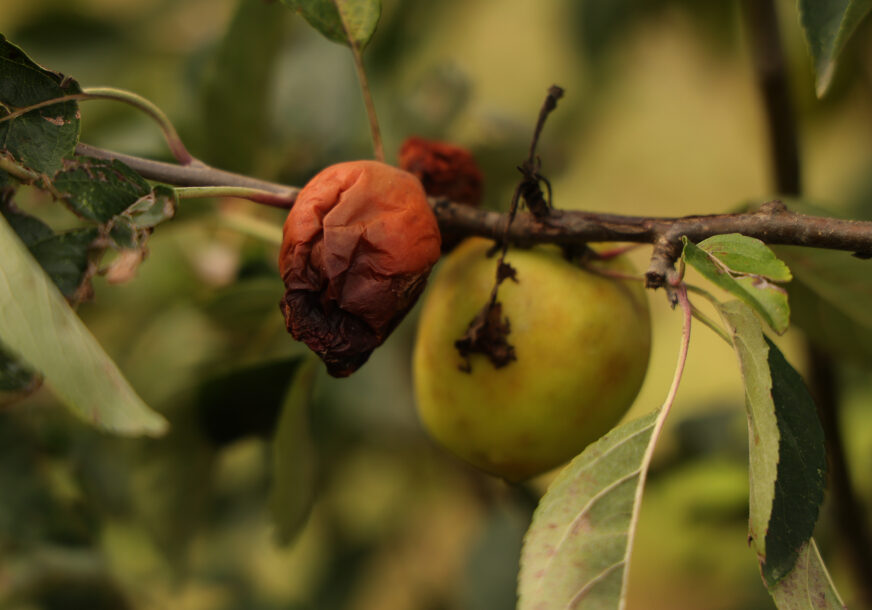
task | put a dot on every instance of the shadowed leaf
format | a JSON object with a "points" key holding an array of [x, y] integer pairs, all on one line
{"points": [[827, 25], [65, 257], [16, 379], [40, 139], [293, 477], [808, 586], [787, 455]]}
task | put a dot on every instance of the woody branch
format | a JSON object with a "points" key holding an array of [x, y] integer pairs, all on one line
{"points": [[772, 223]]}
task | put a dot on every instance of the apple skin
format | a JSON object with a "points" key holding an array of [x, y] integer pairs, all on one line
{"points": [[582, 343]]}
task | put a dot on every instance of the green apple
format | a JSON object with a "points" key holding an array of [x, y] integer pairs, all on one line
{"points": [[582, 343]]}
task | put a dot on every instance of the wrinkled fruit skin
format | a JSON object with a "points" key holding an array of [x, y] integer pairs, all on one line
{"points": [[358, 246], [582, 343]]}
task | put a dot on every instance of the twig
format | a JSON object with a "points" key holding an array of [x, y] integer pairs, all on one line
{"points": [[772, 223], [189, 175], [242, 192]]}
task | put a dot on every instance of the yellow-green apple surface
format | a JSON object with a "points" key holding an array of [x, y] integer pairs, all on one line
{"points": [[581, 340]]}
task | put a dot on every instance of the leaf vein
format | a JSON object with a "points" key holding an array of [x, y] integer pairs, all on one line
{"points": [[585, 589], [584, 510]]}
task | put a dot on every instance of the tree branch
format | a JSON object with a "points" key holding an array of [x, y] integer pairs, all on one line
{"points": [[772, 223], [188, 175]]}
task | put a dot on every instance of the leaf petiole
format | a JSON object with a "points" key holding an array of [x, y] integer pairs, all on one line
{"points": [[171, 136]]}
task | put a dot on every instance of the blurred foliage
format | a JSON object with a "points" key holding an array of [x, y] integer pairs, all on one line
{"points": [[661, 117]]}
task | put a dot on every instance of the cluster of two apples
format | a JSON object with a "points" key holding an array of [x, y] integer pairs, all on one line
{"points": [[358, 246]]}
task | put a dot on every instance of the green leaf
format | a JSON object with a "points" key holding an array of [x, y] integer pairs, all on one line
{"points": [[576, 551], [747, 255], [131, 229], [64, 256], [293, 478], [38, 326], [808, 586], [752, 351], [99, 189], [802, 465], [350, 22], [753, 288], [30, 229], [42, 138], [65, 259], [787, 454], [828, 24], [154, 208], [236, 90]]}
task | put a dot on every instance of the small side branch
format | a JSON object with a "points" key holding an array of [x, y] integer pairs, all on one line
{"points": [[189, 175]]}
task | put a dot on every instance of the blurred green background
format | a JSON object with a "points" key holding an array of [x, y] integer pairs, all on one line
{"points": [[661, 117]]}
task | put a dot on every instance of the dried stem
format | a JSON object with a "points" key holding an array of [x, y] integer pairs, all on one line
{"points": [[487, 331]]}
